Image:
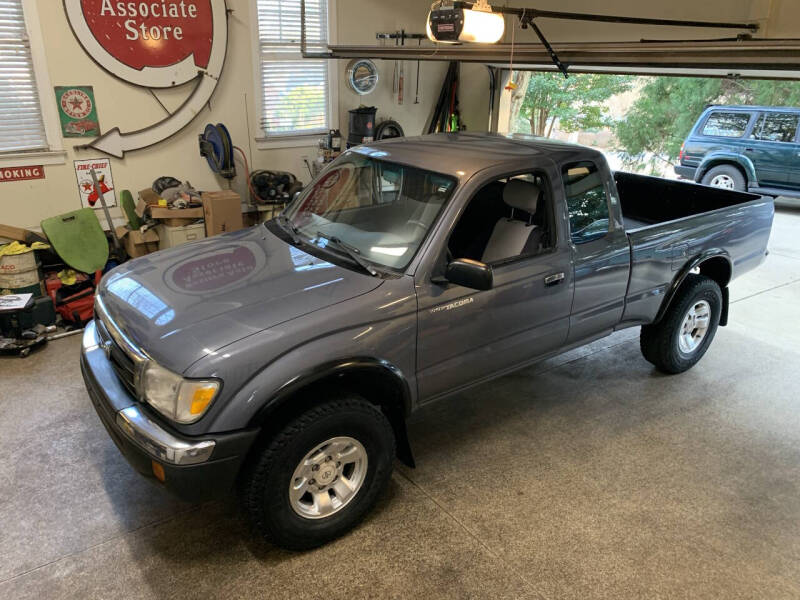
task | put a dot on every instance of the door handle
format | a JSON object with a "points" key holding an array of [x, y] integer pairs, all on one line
{"points": [[554, 279], [749, 150]]}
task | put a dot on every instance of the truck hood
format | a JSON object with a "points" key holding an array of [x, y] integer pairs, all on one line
{"points": [[183, 304]]}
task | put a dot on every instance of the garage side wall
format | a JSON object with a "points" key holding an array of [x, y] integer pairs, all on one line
{"points": [[25, 204]]}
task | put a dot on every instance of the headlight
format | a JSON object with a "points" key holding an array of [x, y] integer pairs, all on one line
{"points": [[182, 400]]}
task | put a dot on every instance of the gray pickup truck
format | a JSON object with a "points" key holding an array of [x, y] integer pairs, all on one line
{"points": [[283, 360]]}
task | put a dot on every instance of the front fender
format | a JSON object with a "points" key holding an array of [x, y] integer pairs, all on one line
{"points": [[336, 369], [718, 158], [378, 381], [390, 343]]}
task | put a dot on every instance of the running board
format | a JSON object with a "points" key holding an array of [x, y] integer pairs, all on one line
{"points": [[774, 192]]}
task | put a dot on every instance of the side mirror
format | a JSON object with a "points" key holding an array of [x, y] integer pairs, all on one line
{"points": [[470, 274]]}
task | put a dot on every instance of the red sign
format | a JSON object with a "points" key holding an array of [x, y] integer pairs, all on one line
{"points": [[157, 33], [153, 44], [21, 173]]}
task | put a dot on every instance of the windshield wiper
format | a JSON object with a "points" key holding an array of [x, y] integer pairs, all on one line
{"points": [[290, 228], [353, 253]]}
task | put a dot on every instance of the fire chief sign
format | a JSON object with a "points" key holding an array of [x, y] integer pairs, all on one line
{"points": [[154, 44]]}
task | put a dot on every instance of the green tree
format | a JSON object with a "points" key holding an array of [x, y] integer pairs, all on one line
{"points": [[660, 120], [576, 104]]}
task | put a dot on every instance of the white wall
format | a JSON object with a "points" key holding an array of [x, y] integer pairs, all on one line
{"points": [[359, 20], [25, 204]]}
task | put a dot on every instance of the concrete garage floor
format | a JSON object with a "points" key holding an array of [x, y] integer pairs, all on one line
{"points": [[588, 476]]}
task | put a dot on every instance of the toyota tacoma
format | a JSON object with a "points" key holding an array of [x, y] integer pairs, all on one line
{"points": [[283, 360]]}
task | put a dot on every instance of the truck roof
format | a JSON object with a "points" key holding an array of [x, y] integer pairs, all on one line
{"points": [[463, 154]]}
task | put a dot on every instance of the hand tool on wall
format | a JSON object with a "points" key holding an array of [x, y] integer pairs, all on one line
{"points": [[401, 84], [416, 96]]}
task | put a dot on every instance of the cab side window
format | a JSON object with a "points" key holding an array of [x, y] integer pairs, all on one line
{"points": [[727, 124], [776, 127], [508, 219], [587, 202]]}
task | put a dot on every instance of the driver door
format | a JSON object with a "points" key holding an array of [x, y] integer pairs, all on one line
{"points": [[466, 336]]}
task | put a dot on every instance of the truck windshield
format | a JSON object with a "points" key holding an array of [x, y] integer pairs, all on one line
{"points": [[379, 210]]}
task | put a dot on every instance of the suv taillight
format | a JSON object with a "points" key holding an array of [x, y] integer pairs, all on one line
{"points": [[680, 156]]}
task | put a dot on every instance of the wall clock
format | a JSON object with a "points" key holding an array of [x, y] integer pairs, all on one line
{"points": [[362, 76]]}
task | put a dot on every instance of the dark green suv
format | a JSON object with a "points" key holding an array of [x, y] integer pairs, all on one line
{"points": [[746, 148]]}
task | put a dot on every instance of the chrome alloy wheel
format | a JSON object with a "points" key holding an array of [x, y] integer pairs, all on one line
{"points": [[725, 182], [695, 327], [328, 478]]}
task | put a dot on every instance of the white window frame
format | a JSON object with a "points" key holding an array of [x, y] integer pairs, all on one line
{"points": [[264, 142], [55, 154]]}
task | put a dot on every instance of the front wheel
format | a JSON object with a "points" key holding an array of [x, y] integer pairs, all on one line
{"points": [[678, 342], [320, 474]]}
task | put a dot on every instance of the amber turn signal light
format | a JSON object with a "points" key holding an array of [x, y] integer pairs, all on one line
{"points": [[158, 471], [201, 398]]}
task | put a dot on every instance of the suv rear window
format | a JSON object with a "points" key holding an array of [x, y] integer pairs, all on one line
{"points": [[727, 124], [776, 127]]}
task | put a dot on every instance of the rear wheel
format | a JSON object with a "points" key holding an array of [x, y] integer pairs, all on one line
{"points": [[678, 342], [726, 177], [320, 474]]}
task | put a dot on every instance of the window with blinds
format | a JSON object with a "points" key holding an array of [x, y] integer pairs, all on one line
{"points": [[22, 125], [295, 91]]}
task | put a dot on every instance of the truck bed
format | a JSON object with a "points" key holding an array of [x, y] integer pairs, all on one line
{"points": [[648, 201], [669, 223]]}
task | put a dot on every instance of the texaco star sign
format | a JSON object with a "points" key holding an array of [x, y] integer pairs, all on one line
{"points": [[154, 44]]}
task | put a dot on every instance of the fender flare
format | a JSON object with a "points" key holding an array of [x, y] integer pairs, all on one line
{"points": [[687, 269], [397, 414], [716, 158]]}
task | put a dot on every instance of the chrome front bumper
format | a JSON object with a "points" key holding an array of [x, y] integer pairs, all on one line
{"points": [[130, 419]]}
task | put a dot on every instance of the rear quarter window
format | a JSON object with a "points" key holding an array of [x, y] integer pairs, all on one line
{"points": [[587, 202], [726, 124]]}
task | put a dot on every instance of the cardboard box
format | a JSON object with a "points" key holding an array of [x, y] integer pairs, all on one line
{"points": [[179, 217], [149, 203], [137, 243], [146, 198], [222, 212]]}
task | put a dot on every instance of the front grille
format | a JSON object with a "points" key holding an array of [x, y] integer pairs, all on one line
{"points": [[122, 364]]}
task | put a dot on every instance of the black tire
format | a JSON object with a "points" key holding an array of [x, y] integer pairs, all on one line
{"points": [[660, 342], [739, 180], [265, 483]]}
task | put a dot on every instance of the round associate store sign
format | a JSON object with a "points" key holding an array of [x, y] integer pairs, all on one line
{"points": [[156, 43]]}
